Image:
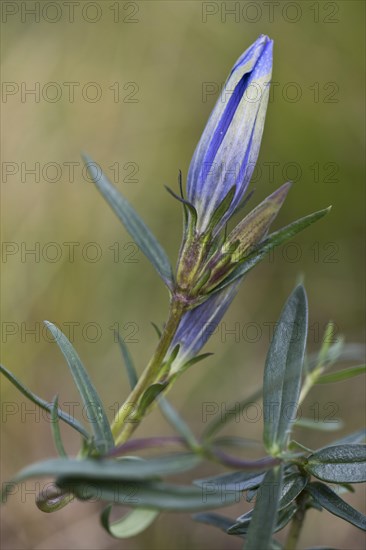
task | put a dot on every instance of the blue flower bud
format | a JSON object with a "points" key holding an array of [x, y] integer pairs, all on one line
{"points": [[199, 324], [226, 154]]}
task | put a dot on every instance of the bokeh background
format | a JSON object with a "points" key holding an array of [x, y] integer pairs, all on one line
{"points": [[132, 84]]}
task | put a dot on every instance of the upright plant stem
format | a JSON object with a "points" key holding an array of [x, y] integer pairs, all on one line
{"points": [[122, 426]]}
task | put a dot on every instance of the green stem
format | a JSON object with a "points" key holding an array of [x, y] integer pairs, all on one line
{"points": [[123, 426], [297, 523]]}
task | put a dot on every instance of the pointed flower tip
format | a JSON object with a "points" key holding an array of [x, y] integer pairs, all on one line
{"points": [[257, 56], [281, 193], [228, 149]]}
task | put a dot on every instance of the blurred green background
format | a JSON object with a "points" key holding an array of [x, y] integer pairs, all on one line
{"points": [[126, 82]]}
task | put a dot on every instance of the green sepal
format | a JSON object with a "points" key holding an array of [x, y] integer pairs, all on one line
{"points": [[221, 210], [273, 240]]}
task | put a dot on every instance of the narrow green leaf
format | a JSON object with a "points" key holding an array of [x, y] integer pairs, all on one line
{"points": [[157, 329], [157, 495], [220, 421], [241, 526], [193, 361], [149, 396], [70, 420], [317, 425], [216, 520], [326, 345], [56, 429], [130, 525], [138, 230], [338, 352], [292, 486], [339, 464], [95, 411], [94, 470], [341, 375], [351, 439], [130, 368], [177, 422], [273, 240], [283, 369], [265, 511], [329, 500], [238, 481]]}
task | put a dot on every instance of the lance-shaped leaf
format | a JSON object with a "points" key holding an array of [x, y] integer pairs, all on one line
{"points": [[94, 470], [329, 500], [178, 423], [265, 511], [273, 240], [216, 520], [70, 420], [129, 525], [339, 464], [242, 524], [56, 429], [130, 368], [239, 481], [292, 486], [95, 411], [338, 352], [341, 375], [138, 230], [312, 424], [156, 495], [220, 421], [282, 374], [351, 439]]}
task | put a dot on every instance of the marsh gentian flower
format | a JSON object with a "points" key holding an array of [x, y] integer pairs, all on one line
{"points": [[226, 154], [218, 176]]}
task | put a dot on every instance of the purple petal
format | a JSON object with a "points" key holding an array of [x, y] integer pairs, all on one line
{"points": [[228, 149]]}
